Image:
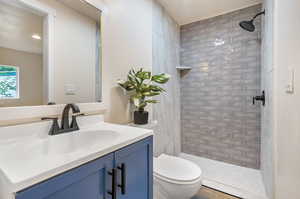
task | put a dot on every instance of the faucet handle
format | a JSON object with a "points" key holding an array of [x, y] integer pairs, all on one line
{"points": [[49, 118], [78, 115]]}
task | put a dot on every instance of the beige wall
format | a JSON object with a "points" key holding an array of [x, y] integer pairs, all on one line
{"points": [[127, 43], [286, 106], [31, 72]]}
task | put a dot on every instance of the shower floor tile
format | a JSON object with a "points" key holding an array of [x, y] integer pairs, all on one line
{"points": [[207, 193], [235, 180]]}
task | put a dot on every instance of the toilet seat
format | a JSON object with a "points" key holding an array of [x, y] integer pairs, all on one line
{"points": [[176, 170]]}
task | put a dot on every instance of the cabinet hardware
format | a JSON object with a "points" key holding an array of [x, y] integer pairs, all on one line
{"points": [[113, 191], [122, 168]]}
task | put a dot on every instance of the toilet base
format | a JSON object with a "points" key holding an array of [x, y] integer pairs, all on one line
{"points": [[166, 190]]}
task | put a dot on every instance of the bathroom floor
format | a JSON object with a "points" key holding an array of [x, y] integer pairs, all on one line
{"points": [[207, 193]]}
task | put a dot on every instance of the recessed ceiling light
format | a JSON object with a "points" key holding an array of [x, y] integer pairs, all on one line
{"points": [[37, 37]]}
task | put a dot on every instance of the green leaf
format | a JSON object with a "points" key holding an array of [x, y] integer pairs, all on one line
{"points": [[152, 101], [143, 75], [126, 85], [151, 94], [138, 95], [161, 79], [156, 88], [145, 88], [142, 105], [136, 101], [130, 78]]}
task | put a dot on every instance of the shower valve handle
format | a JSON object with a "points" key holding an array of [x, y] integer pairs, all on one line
{"points": [[260, 98]]}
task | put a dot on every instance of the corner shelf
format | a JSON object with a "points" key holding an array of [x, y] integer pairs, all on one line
{"points": [[183, 68]]}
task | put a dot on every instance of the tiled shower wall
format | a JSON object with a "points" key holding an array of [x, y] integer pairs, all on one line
{"points": [[166, 47], [218, 120]]}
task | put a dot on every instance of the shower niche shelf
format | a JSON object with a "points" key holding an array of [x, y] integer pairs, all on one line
{"points": [[183, 68]]}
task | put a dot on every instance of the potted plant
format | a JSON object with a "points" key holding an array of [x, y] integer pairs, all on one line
{"points": [[140, 87]]}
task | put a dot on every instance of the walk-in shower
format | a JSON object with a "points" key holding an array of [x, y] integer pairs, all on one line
{"points": [[220, 125]]}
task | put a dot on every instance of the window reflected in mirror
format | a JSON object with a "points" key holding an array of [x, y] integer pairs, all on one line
{"points": [[9, 82]]}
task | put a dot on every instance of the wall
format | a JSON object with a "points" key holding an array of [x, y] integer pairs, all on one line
{"points": [[126, 43], [267, 131], [166, 49], [31, 72], [218, 119], [286, 106], [75, 54]]}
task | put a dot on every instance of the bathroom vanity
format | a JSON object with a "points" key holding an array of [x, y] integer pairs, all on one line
{"points": [[99, 161]]}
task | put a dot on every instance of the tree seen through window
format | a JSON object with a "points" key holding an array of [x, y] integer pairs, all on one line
{"points": [[8, 82]]}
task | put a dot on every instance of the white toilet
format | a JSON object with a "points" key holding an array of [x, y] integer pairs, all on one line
{"points": [[175, 178]]}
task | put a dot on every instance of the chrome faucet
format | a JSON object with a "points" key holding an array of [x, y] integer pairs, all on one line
{"points": [[65, 124]]}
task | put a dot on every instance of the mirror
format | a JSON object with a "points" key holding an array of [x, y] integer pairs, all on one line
{"points": [[48, 58]]}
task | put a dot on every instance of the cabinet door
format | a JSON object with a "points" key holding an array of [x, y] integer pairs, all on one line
{"points": [[89, 181], [135, 171]]}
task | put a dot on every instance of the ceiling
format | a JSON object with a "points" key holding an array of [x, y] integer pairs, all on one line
{"points": [[188, 11], [18, 25], [83, 8]]}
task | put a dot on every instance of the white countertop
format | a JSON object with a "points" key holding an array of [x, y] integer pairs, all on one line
{"points": [[28, 155]]}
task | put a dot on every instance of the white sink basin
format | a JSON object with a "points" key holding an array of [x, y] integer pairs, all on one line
{"points": [[72, 142], [60, 145]]}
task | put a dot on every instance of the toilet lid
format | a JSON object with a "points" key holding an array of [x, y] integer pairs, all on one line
{"points": [[176, 169]]}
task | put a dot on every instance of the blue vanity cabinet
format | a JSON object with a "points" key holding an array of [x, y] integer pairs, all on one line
{"points": [[89, 181], [124, 174], [135, 172]]}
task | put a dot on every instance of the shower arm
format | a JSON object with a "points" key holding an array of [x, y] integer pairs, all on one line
{"points": [[261, 13]]}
